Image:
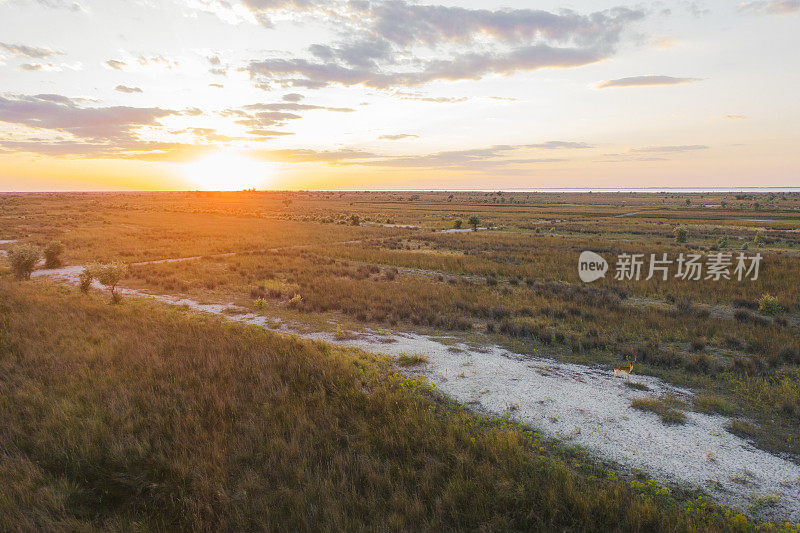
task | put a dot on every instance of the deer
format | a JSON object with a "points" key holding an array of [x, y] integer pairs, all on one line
{"points": [[625, 369]]}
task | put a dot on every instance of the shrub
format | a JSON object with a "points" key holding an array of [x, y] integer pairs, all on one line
{"points": [[355, 220], [110, 275], [23, 259], [681, 233], [85, 279], [758, 240], [723, 242], [52, 255], [295, 302], [768, 305], [458, 223], [474, 221]]}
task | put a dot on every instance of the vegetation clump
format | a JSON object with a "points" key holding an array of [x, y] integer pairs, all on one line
{"points": [[768, 305], [108, 275], [666, 408], [411, 360], [52, 255], [23, 259], [681, 234]]}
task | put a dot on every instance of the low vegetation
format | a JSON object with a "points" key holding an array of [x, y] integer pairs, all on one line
{"points": [[411, 360], [669, 409], [52, 255], [140, 417], [23, 259]]}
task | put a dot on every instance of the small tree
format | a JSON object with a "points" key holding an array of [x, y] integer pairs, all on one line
{"points": [[759, 239], [23, 259], [355, 220], [110, 275], [474, 221], [681, 233], [52, 255], [723, 241], [85, 279], [458, 223]]}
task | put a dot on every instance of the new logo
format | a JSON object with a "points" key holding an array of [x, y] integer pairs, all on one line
{"points": [[591, 266]]}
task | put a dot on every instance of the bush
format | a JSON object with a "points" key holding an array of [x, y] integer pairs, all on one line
{"points": [[355, 220], [52, 255], [23, 259], [768, 305], [110, 275], [474, 221], [85, 279], [458, 223], [681, 233]]}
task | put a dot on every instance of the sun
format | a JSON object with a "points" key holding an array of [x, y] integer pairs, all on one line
{"points": [[228, 171]]}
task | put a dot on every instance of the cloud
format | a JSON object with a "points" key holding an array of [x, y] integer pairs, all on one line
{"points": [[157, 60], [468, 66], [476, 159], [772, 7], [398, 137], [30, 67], [112, 127], [125, 89], [116, 65], [646, 81], [292, 106], [736, 117], [551, 145], [463, 44], [268, 134], [418, 96], [60, 4], [293, 97], [670, 149], [316, 156], [31, 52], [217, 85], [471, 159]]}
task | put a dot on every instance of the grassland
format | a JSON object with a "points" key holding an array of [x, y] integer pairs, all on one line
{"points": [[300, 256], [141, 417]]}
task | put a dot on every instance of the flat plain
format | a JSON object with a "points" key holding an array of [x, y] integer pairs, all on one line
{"points": [[453, 356]]}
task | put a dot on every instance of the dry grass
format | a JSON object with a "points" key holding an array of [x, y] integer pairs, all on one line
{"points": [[666, 408], [518, 282], [141, 417]]}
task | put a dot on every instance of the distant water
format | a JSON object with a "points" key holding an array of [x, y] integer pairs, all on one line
{"points": [[674, 190]]}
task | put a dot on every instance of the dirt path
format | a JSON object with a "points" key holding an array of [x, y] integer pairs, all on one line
{"points": [[581, 405]]}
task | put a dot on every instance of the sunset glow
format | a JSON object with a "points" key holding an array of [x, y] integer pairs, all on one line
{"points": [[398, 94], [228, 171]]}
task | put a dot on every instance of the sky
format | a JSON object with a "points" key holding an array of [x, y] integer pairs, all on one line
{"points": [[398, 94]]}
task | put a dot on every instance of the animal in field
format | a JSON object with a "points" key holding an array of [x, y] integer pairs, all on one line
{"points": [[625, 370]]}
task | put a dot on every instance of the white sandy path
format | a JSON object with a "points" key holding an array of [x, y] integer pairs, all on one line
{"points": [[583, 405]]}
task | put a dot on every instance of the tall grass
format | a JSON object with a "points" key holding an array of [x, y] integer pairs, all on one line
{"points": [[141, 417]]}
